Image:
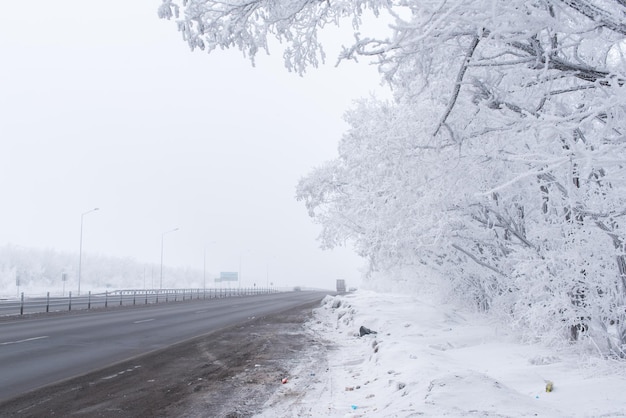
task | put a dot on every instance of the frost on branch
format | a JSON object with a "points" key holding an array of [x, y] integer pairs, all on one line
{"points": [[249, 25]]}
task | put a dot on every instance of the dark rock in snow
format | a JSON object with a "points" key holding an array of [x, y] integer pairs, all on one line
{"points": [[364, 331]]}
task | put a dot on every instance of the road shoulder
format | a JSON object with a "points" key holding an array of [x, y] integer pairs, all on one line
{"points": [[228, 373]]}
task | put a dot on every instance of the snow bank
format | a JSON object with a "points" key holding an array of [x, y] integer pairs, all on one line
{"points": [[431, 359]]}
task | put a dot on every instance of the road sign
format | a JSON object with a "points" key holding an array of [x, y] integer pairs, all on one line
{"points": [[228, 276]]}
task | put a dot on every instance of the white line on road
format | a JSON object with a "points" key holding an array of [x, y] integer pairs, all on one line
{"points": [[23, 341], [143, 320]]}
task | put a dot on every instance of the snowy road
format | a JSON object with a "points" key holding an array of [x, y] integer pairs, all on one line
{"points": [[37, 352]]}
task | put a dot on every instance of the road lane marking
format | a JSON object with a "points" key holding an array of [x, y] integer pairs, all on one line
{"points": [[24, 341], [143, 320], [122, 372]]}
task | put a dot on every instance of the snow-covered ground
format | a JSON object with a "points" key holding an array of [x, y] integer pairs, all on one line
{"points": [[432, 359]]}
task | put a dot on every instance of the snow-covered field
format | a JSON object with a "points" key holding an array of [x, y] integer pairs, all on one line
{"points": [[431, 359]]}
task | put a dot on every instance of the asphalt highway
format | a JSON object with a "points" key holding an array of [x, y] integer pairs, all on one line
{"points": [[40, 351]]}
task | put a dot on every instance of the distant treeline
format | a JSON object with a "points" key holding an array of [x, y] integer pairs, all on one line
{"points": [[41, 270]]}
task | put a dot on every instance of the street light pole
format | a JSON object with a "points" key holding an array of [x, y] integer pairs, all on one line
{"points": [[240, 272], [162, 235], [204, 264], [80, 250]]}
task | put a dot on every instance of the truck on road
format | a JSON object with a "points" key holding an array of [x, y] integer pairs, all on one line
{"points": [[341, 286]]}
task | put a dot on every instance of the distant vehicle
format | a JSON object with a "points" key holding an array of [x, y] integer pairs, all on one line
{"points": [[297, 289], [341, 286]]}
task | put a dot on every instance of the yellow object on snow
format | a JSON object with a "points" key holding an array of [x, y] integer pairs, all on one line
{"points": [[549, 386]]}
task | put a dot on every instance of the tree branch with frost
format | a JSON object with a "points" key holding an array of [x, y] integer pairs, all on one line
{"points": [[618, 243], [248, 24], [477, 260], [603, 17], [531, 173], [600, 215], [583, 72], [502, 222], [457, 85], [493, 102]]}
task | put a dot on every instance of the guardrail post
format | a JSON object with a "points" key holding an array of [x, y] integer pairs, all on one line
{"points": [[134, 296], [106, 298], [48, 302], [157, 297], [167, 294], [70, 302], [89, 301], [22, 305], [146, 292], [121, 297]]}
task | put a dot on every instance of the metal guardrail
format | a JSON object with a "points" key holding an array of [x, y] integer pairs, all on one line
{"points": [[123, 297]]}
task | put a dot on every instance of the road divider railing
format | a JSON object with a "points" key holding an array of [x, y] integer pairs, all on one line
{"points": [[122, 297]]}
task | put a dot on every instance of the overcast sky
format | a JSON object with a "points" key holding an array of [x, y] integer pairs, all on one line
{"points": [[103, 105]]}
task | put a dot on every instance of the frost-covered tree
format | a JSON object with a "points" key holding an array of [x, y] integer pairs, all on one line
{"points": [[500, 161]]}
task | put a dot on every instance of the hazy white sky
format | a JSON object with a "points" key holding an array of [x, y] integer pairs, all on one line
{"points": [[103, 105]]}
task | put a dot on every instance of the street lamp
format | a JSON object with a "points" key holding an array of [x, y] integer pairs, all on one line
{"points": [[162, 235], [241, 253], [267, 272], [80, 251], [204, 266]]}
